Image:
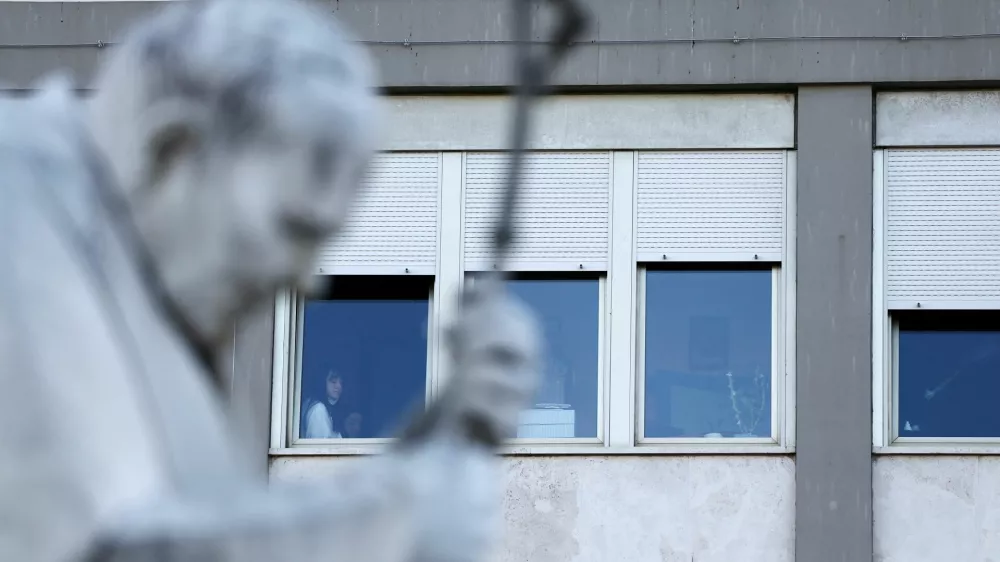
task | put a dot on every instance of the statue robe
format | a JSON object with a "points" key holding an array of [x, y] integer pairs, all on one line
{"points": [[114, 443]]}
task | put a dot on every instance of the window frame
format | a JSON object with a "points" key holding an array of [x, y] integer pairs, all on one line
{"points": [[289, 310], [778, 366], [886, 439], [603, 370], [916, 445], [619, 356]]}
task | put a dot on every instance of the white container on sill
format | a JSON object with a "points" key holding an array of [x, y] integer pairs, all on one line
{"points": [[547, 421]]}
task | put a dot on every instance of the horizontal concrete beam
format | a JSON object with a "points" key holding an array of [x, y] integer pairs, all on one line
{"points": [[686, 43], [958, 118], [585, 122], [625, 122]]}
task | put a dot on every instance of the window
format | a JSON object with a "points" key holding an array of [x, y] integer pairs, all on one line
{"points": [[662, 281], [935, 325], [947, 371], [568, 308], [709, 353], [350, 386]]}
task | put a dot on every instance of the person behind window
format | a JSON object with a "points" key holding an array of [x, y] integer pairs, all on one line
{"points": [[352, 426], [324, 418]]}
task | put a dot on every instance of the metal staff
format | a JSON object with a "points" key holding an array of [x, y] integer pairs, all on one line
{"points": [[532, 74], [533, 71]]}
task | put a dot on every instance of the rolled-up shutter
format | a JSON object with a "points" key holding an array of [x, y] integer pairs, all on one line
{"points": [[710, 206], [562, 214], [393, 225], [942, 227]]}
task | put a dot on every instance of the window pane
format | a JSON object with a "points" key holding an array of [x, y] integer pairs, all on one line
{"points": [[708, 353], [569, 313], [364, 356], [949, 374]]}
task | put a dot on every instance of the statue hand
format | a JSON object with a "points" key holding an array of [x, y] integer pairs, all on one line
{"points": [[496, 347]]}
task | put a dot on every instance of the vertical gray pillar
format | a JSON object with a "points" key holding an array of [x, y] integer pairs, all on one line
{"points": [[833, 483]]}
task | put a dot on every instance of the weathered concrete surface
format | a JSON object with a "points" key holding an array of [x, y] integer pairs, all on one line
{"points": [[937, 508], [948, 118], [833, 336], [631, 509], [602, 122], [44, 26]]}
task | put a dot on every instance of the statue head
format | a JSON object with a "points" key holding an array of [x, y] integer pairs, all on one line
{"points": [[238, 132]]}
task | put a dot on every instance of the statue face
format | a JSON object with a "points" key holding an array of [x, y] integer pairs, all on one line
{"points": [[239, 156], [230, 226], [283, 200]]}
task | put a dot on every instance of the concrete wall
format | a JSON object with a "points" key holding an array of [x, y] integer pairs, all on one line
{"points": [[460, 43], [634, 509], [938, 118], [937, 508]]}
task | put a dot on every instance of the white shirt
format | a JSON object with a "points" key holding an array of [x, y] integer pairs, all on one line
{"points": [[318, 423]]}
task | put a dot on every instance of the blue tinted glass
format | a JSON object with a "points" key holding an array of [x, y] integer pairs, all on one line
{"points": [[708, 354], [948, 383], [566, 403], [377, 349]]}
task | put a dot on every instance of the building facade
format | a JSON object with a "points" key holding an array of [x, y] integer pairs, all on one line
{"points": [[761, 238]]}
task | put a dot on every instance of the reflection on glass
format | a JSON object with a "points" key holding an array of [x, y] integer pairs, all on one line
{"points": [[569, 312], [949, 374], [708, 353], [364, 357]]}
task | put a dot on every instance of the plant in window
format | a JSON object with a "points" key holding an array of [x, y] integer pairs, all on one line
{"points": [[751, 400]]}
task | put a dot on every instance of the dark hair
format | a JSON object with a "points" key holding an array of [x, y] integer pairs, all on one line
{"points": [[317, 384]]}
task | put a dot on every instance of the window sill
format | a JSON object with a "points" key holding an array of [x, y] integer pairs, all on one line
{"points": [[943, 448], [686, 449]]}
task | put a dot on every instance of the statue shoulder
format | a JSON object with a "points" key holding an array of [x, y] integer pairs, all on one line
{"points": [[44, 152], [50, 172], [67, 407], [47, 193]]}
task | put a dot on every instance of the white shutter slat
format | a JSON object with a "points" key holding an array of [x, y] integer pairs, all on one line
{"points": [[562, 215], [942, 227], [394, 223], [710, 205]]}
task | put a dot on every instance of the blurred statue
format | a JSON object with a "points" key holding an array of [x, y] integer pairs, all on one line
{"points": [[224, 143]]}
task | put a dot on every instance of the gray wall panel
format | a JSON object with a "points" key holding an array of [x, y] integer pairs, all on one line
{"points": [[37, 38], [833, 488], [854, 57]]}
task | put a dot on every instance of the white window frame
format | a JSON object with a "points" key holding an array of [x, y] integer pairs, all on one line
{"points": [[783, 291], [602, 366], [621, 388], [778, 366], [885, 361], [288, 312], [456, 125], [888, 379]]}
